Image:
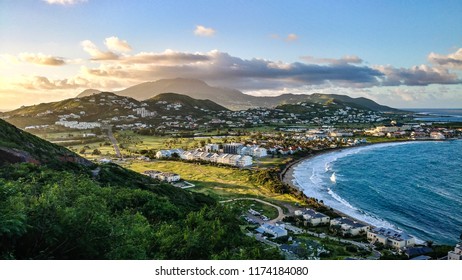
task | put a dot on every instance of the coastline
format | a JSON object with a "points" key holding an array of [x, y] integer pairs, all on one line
{"points": [[287, 175]]}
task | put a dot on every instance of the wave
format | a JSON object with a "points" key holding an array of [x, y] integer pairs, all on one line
{"points": [[312, 176], [333, 179]]}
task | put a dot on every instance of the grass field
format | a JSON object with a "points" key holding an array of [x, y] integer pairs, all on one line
{"points": [[219, 182]]}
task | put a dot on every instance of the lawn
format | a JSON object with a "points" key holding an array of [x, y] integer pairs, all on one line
{"points": [[269, 162], [220, 182]]}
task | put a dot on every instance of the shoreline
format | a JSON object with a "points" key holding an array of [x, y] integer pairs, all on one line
{"points": [[287, 174]]}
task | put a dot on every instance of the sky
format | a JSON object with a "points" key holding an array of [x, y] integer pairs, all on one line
{"points": [[405, 54]]}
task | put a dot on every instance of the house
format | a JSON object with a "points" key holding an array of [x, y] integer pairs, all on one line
{"points": [[456, 254], [313, 217], [275, 230], [163, 176], [390, 237], [169, 177], [349, 226]]}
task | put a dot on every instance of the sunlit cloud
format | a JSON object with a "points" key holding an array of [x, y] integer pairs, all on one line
{"points": [[453, 60], [95, 53], [42, 59], [204, 31], [115, 44], [417, 76]]}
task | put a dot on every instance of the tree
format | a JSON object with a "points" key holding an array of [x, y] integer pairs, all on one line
{"points": [[96, 152]]}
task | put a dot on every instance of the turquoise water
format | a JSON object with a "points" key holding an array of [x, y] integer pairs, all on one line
{"points": [[413, 186]]}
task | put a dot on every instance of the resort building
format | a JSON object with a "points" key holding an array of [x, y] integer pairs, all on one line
{"points": [[436, 135], [275, 230], [390, 237], [163, 176], [211, 148], [456, 254], [349, 226], [313, 217]]}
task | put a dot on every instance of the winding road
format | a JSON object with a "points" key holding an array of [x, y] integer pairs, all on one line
{"points": [[280, 212]]}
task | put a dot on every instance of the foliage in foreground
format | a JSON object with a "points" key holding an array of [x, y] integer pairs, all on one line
{"points": [[50, 214]]}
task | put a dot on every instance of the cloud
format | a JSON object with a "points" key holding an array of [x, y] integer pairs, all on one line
{"points": [[97, 54], [42, 59], [453, 60], [352, 59], [233, 71], [43, 83], [204, 31], [64, 2], [115, 44], [422, 75], [116, 68], [292, 37], [168, 57]]}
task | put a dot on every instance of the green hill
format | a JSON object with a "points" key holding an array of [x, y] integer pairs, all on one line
{"points": [[174, 103], [74, 210], [103, 105], [107, 106], [19, 146]]}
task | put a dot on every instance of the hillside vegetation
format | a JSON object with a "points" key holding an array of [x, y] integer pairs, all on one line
{"points": [[74, 211]]}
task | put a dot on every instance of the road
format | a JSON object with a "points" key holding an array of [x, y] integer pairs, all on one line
{"points": [[114, 141], [280, 212]]}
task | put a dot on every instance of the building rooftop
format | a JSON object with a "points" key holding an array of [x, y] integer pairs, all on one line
{"points": [[392, 234], [350, 222]]}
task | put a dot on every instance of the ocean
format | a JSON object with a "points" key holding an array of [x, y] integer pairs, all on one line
{"points": [[411, 186], [438, 115]]}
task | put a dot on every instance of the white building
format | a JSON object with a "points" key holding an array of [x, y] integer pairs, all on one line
{"points": [[163, 176], [169, 177], [390, 237], [163, 154], [244, 161], [313, 217], [275, 230], [437, 135], [456, 254], [210, 148], [351, 227]]}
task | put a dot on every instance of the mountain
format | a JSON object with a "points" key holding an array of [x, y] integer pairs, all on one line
{"points": [[75, 210], [231, 98]]}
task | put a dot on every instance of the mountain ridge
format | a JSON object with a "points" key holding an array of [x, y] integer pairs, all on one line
{"points": [[231, 98]]}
